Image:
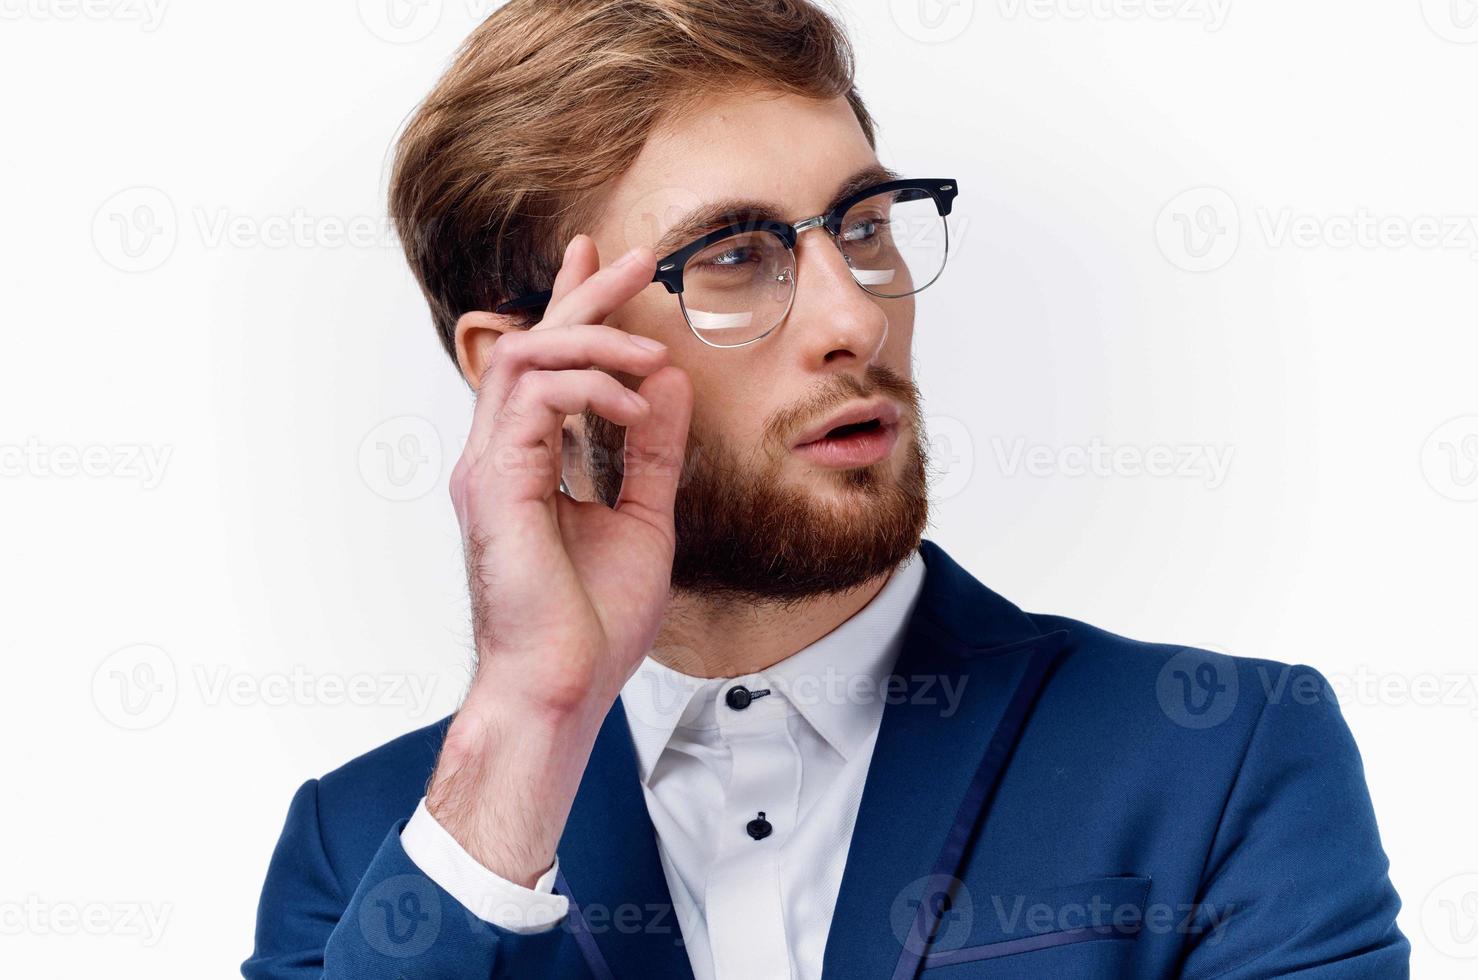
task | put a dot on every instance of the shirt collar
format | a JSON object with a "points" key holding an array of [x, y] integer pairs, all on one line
{"points": [[838, 683]]}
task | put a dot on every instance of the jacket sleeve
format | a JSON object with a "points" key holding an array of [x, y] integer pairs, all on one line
{"points": [[1296, 882], [393, 922]]}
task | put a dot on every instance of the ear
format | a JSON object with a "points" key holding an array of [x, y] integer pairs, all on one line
{"points": [[474, 338]]}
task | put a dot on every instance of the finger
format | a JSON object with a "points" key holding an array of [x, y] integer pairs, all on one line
{"points": [[521, 453], [581, 261], [655, 447], [557, 348], [597, 296]]}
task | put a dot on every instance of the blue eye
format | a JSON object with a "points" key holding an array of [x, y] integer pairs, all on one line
{"points": [[864, 229]]}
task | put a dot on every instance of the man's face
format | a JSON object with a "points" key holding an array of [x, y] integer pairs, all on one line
{"points": [[761, 513]]}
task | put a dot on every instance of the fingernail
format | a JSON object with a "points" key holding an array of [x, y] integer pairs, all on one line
{"points": [[638, 400], [626, 259], [646, 342], [570, 245]]}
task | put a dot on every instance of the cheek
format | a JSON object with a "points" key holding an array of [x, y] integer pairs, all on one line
{"points": [[655, 313], [898, 347]]}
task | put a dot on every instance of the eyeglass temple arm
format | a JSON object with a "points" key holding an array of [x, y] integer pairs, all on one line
{"points": [[528, 301]]}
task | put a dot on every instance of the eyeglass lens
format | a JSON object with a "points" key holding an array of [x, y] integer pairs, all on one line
{"points": [[739, 289]]}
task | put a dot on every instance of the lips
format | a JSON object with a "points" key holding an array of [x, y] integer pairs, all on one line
{"points": [[879, 413]]}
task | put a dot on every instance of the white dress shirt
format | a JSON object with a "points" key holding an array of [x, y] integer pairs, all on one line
{"points": [[754, 895]]}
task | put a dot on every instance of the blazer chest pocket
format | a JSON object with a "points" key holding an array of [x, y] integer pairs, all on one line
{"points": [[1083, 930]]}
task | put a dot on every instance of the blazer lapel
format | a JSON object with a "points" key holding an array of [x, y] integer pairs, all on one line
{"points": [[971, 667], [622, 915]]}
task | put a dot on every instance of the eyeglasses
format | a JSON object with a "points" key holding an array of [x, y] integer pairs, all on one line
{"points": [[736, 285]]}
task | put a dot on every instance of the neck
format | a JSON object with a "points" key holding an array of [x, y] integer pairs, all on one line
{"points": [[703, 636]]}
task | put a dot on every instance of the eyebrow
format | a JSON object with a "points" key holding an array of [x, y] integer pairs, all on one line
{"points": [[717, 214]]}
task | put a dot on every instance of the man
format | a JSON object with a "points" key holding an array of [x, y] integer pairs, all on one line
{"points": [[731, 718]]}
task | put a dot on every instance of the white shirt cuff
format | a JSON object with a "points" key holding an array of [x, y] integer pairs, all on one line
{"points": [[492, 899]]}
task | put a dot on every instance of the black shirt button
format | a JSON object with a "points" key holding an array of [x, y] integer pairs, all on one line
{"points": [[759, 828], [738, 698]]}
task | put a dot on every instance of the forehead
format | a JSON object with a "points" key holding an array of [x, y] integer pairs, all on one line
{"points": [[785, 151]]}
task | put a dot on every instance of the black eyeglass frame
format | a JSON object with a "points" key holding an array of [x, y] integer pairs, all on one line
{"points": [[670, 268]]}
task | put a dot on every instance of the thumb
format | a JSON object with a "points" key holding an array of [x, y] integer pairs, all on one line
{"points": [[652, 462]]}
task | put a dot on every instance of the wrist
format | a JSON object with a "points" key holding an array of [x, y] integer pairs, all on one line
{"points": [[504, 783]]}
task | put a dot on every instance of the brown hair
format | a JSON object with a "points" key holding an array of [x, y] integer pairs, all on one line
{"points": [[547, 100]]}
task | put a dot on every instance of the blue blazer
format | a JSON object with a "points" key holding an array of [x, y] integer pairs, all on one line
{"points": [[1091, 806]]}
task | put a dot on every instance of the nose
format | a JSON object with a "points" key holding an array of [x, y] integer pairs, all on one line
{"points": [[837, 323]]}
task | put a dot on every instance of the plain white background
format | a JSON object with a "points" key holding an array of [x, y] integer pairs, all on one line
{"points": [[1202, 370]]}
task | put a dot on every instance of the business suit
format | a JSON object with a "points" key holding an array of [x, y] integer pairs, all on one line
{"points": [[1091, 807]]}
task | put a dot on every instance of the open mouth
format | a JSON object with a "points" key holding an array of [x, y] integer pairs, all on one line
{"points": [[854, 428], [854, 444]]}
